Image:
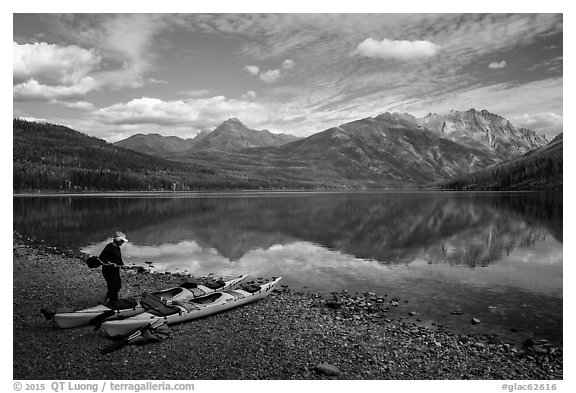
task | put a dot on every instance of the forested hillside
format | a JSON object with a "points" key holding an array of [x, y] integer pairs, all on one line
{"points": [[56, 158], [538, 169]]}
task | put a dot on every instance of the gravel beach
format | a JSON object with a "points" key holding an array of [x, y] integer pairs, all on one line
{"points": [[288, 335]]}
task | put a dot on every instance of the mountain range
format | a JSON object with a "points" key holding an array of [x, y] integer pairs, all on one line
{"points": [[475, 129], [156, 144], [390, 150], [379, 150], [232, 135]]}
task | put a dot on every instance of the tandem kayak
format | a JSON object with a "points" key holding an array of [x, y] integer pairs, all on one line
{"points": [[180, 311], [130, 307]]}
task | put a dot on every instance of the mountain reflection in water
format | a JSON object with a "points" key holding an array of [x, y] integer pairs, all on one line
{"points": [[392, 228]]}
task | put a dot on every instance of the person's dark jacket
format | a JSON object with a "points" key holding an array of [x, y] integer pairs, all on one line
{"points": [[111, 254]]}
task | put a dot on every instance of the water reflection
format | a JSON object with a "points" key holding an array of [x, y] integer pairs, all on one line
{"points": [[458, 229]]}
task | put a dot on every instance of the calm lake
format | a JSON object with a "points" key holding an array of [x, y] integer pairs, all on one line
{"points": [[496, 256]]}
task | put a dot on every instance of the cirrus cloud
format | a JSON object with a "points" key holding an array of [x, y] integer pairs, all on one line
{"points": [[399, 50]]}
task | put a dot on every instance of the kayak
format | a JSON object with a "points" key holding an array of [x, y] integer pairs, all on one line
{"points": [[130, 307], [177, 311]]}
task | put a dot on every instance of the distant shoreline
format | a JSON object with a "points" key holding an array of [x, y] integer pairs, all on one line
{"points": [[266, 192]]}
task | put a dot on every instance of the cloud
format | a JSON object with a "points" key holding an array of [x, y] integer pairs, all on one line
{"points": [[52, 64], [34, 91], [252, 69], [128, 39], [551, 122], [198, 112], [77, 105], [270, 76], [288, 64], [46, 72], [399, 50], [130, 35], [249, 95], [158, 81], [495, 65], [121, 52], [55, 73]]}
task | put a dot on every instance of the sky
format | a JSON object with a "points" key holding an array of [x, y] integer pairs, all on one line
{"points": [[115, 75]]}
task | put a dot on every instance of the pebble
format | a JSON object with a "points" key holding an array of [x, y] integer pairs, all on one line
{"points": [[327, 369], [333, 304], [540, 350]]}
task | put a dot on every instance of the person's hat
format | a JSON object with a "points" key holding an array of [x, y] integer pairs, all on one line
{"points": [[120, 236]]}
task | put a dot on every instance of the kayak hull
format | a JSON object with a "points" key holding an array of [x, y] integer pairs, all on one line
{"points": [[193, 309], [83, 317]]}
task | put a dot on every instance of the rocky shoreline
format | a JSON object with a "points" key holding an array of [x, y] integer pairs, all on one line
{"points": [[289, 335]]}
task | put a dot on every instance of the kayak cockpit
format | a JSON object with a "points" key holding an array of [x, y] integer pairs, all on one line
{"points": [[213, 297], [171, 293]]}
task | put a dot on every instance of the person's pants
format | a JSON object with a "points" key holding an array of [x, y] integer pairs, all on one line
{"points": [[113, 282]]}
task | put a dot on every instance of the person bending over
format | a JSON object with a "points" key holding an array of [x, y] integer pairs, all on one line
{"points": [[111, 257]]}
